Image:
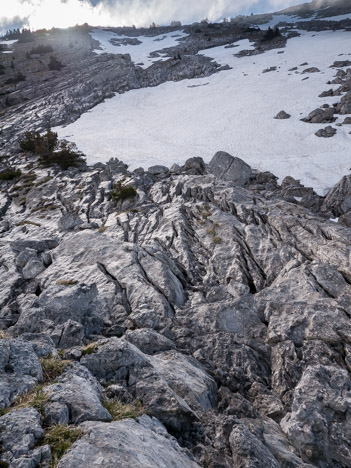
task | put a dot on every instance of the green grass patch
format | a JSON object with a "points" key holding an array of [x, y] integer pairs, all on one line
{"points": [[122, 192]]}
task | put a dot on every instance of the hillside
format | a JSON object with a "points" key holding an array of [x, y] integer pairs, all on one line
{"points": [[180, 299]]}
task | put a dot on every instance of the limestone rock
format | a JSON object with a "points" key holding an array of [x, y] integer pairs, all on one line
{"points": [[230, 168], [138, 444]]}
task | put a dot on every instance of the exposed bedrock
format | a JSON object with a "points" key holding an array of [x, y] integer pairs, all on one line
{"points": [[215, 299]]}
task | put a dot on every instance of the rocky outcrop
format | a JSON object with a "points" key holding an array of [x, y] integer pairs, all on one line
{"points": [[216, 300]]}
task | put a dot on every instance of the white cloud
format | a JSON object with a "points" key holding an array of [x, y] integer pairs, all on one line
{"points": [[62, 13]]}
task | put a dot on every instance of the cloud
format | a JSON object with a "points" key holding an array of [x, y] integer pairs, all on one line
{"points": [[38, 14]]}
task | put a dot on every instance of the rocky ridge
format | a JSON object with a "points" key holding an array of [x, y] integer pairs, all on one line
{"points": [[215, 301]]}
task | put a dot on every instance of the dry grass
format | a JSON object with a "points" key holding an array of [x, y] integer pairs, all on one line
{"points": [[119, 410], [61, 438], [67, 282], [52, 368]]}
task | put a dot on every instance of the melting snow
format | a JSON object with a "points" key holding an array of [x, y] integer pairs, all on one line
{"points": [[234, 112], [139, 53]]}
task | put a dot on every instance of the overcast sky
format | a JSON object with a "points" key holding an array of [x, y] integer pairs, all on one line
{"points": [[38, 14]]}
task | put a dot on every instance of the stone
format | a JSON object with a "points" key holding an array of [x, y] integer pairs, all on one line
{"points": [[311, 70], [338, 200], [143, 443], [321, 116], [282, 115], [20, 433], [248, 451], [326, 132], [69, 221], [20, 369], [230, 168], [79, 392], [158, 170]]}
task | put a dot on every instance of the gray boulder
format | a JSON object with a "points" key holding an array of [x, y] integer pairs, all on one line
{"points": [[20, 433], [321, 116], [79, 391], [326, 132], [282, 115], [230, 168], [129, 443], [20, 369], [248, 451], [69, 221], [338, 200]]}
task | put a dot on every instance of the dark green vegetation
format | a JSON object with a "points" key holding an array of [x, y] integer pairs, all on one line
{"points": [[122, 192], [51, 151], [9, 174], [271, 34]]}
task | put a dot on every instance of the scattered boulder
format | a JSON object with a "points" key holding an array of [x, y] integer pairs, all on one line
{"points": [[326, 132], [282, 115], [230, 168], [311, 70], [338, 200], [69, 221], [320, 116]]}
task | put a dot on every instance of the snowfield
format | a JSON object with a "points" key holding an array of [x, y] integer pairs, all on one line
{"points": [[231, 111], [139, 53]]}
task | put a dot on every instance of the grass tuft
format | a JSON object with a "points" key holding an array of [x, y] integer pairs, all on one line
{"points": [[52, 368], [61, 438], [67, 282], [119, 410]]}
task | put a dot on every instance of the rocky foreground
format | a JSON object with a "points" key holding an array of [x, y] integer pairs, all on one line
{"points": [[200, 320]]}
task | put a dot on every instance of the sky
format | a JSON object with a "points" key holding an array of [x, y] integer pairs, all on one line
{"points": [[37, 14]]}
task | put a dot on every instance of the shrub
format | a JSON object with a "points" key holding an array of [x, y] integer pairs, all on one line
{"points": [[66, 157], [66, 282], [55, 64], [51, 151], [61, 438], [36, 143], [122, 192], [9, 174], [271, 34]]}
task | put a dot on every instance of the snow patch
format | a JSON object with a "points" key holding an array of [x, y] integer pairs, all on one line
{"points": [[234, 112], [140, 53]]}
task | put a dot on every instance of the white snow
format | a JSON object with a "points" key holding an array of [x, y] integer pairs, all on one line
{"points": [[234, 112], [140, 53], [9, 44], [335, 18]]}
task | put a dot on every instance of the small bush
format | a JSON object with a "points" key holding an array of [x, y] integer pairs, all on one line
{"points": [[27, 222], [40, 144], [217, 240], [66, 157], [51, 151], [41, 49], [271, 34], [122, 192], [10, 174], [61, 438], [55, 64], [119, 410]]}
